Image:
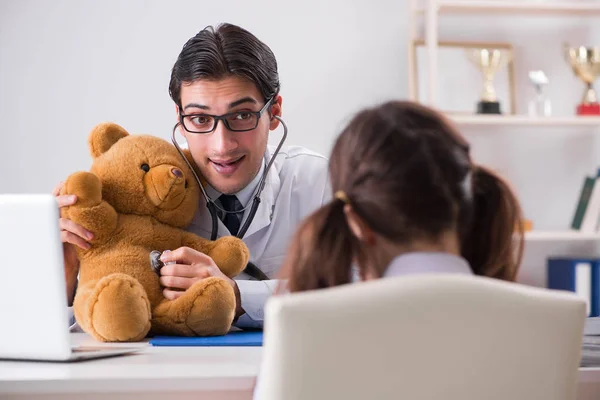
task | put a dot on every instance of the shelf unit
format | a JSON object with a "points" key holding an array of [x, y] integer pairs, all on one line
{"points": [[430, 12], [531, 7], [560, 236], [436, 8], [524, 121]]}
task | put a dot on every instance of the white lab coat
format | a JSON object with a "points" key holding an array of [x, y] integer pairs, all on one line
{"points": [[297, 184]]}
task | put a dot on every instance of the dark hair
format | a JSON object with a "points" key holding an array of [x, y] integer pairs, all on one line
{"points": [[227, 51], [408, 174]]}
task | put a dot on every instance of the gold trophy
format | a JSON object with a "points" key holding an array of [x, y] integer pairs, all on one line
{"points": [[489, 62], [585, 62]]}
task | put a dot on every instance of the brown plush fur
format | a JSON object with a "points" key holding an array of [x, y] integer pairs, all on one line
{"points": [[132, 212]]}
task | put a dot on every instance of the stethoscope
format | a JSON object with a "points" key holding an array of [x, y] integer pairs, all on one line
{"points": [[210, 204]]}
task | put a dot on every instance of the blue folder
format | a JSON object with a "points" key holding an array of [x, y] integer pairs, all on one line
{"points": [[245, 338], [565, 273]]}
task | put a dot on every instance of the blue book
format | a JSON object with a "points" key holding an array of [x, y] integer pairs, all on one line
{"points": [[595, 299], [578, 275], [243, 338]]}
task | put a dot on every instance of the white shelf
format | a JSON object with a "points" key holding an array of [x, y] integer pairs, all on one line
{"points": [[560, 236], [523, 120], [518, 7]]}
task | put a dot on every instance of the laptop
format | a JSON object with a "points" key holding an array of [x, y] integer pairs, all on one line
{"points": [[33, 299]]}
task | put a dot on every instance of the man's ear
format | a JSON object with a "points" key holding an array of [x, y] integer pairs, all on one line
{"points": [[104, 136], [275, 109], [181, 129]]}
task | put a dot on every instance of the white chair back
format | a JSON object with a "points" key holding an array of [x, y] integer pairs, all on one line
{"points": [[423, 337]]}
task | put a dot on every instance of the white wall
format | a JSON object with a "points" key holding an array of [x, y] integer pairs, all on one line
{"points": [[68, 65]]}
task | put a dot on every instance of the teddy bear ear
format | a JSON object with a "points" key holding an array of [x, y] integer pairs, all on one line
{"points": [[104, 136]]}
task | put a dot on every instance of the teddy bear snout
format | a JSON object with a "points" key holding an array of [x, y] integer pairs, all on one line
{"points": [[165, 186], [177, 172]]}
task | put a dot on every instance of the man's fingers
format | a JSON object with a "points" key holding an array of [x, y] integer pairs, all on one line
{"points": [[68, 237], [66, 200], [177, 282], [58, 188], [181, 270], [185, 255], [186, 271], [172, 294], [70, 226]]}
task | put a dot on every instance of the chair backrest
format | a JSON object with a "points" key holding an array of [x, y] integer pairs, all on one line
{"points": [[423, 337]]}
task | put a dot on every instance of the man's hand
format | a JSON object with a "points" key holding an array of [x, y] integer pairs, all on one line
{"points": [[191, 266], [71, 235]]}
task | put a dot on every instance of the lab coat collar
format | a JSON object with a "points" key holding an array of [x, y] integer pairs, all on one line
{"points": [[268, 197]]}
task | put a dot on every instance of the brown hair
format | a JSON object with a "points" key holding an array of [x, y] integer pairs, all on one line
{"points": [[408, 174], [226, 51]]}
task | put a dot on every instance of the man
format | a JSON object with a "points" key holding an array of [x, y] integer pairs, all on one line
{"points": [[229, 71]]}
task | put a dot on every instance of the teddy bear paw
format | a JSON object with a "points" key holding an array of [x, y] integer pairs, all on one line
{"points": [[86, 186], [230, 254]]}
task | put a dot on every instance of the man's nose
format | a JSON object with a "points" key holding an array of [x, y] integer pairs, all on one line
{"points": [[223, 139]]}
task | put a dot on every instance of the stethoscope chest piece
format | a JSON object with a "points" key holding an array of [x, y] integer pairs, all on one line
{"points": [[155, 262]]}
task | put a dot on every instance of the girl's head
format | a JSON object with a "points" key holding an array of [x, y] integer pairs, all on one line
{"points": [[403, 181]]}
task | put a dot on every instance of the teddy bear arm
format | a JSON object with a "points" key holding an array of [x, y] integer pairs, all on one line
{"points": [[197, 243], [90, 211], [101, 220], [229, 253]]}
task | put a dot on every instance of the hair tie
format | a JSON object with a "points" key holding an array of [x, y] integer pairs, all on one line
{"points": [[341, 195]]}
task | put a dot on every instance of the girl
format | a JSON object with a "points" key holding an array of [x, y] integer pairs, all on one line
{"points": [[408, 199]]}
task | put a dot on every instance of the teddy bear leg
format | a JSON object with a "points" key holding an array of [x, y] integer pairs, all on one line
{"points": [[80, 304], [205, 309], [114, 309]]}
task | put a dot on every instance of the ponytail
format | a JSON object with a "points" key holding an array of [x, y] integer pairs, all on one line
{"points": [[492, 241], [322, 251]]}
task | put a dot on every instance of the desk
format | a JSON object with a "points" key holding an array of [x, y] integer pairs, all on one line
{"points": [[159, 373], [153, 373]]}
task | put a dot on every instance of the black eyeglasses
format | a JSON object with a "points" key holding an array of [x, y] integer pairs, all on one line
{"points": [[239, 121]]}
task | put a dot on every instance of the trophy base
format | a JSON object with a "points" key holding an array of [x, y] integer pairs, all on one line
{"points": [[588, 109], [488, 107]]}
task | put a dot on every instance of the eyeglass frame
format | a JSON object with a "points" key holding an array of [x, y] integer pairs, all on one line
{"points": [[223, 118]]}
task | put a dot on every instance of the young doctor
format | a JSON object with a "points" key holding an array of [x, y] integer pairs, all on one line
{"points": [[225, 86], [408, 200]]}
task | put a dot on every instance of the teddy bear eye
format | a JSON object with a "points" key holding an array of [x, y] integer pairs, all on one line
{"points": [[145, 167]]}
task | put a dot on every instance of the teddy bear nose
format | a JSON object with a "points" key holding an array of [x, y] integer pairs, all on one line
{"points": [[177, 172]]}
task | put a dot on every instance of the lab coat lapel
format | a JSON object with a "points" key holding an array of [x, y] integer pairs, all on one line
{"points": [[264, 214], [202, 222]]}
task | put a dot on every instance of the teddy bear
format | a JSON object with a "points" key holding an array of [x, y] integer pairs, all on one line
{"points": [[138, 197]]}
